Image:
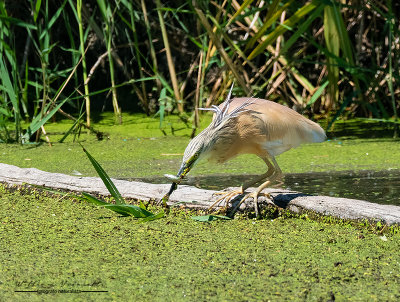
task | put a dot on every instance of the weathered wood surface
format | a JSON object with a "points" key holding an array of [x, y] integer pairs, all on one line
{"points": [[198, 198]]}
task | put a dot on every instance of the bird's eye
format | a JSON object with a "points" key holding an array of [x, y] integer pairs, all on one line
{"points": [[194, 157]]}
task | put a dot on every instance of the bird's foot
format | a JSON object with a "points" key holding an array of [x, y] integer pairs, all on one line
{"points": [[226, 197], [254, 195]]}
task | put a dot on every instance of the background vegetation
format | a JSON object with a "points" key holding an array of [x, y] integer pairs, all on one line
{"points": [[324, 58]]}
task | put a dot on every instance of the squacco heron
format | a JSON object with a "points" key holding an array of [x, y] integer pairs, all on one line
{"points": [[249, 126]]}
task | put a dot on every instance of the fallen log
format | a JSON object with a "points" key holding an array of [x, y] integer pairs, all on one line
{"points": [[192, 197]]}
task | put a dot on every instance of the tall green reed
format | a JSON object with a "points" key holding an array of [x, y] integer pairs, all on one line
{"points": [[321, 57]]}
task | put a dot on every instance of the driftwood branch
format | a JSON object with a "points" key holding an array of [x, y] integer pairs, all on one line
{"points": [[198, 198]]}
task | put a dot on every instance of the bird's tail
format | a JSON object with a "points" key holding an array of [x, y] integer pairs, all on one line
{"points": [[315, 134]]}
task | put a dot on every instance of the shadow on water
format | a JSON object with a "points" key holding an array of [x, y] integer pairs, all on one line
{"points": [[362, 128], [375, 186]]}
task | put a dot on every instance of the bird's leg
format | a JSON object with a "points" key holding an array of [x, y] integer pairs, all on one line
{"points": [[276, 173], [228, 196]]}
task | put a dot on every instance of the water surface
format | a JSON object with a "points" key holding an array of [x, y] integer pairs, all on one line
{"points": [[375, 186]]}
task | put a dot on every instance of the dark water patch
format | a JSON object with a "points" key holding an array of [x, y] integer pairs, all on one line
{"points": [[361, 128], [375, 186]]}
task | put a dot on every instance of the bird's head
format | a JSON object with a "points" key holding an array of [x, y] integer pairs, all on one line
{"points": [[195, 149], [199, 147]]}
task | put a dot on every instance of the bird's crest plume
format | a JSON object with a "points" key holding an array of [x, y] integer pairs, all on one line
{"points": [[222, 114]]}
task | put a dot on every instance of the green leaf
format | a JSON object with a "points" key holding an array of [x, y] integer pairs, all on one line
{"points": [[317, 94], [162, 102], [206, 218], [52, 20], [274, 12], [281, 29], [302, 28], [72, 127], [123, 209], [332, 41], [153, 217], [93, 199], [7, 85], [4, 112], [127, 210], [17, 22], [106, 179], [37, 122], [245, 4], [37, 9]]}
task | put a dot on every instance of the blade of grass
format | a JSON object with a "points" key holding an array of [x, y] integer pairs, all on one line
{"points": [[76, 122], [9, 88], [126, 210], [245, 4], [123, 209], [332, 42], [105, 178], [390, 75], [37, 122], [317, 93], [268, 22], [18, 22], [302, 28], [207, 218], [153, 217], [281, 29], [90, 198], [345, 44]]}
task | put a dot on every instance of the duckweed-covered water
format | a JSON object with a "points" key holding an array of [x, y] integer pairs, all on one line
{"points": [[379, 187]]}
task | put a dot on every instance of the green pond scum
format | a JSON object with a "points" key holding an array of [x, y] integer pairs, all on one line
{"points": [[139, 149], [57, 243], [66, 249]]}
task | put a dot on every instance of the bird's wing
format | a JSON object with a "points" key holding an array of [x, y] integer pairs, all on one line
{"points": [[284, 128]]}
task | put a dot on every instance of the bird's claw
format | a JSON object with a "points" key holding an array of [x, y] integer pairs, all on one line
{"points": [[254, 195], [227, 197]]}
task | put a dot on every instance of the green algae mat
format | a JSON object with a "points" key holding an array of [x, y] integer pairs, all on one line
{"points": [[138, 149], [57, 248], [62, 249]]}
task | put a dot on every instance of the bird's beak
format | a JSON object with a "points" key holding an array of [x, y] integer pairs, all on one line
{"points": [[184, 169]]}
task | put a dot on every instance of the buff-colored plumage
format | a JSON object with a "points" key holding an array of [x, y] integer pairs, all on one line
{"points": [[266, 127], [249, 126]]}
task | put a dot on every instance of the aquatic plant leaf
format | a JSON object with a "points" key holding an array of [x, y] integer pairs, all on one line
{"points": [[120, 207], [92, 199], [206, 218], [38, 122], [153, 217], [37, 10], [281, 29], [124, 209], [105, 178], [77, 121], [317, 94], [127, 209], [17, 22]]}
